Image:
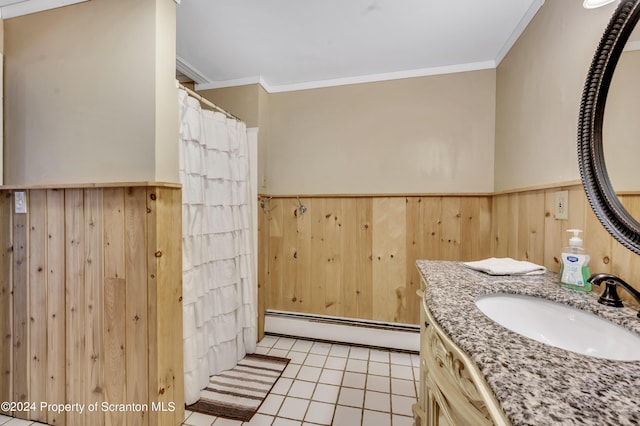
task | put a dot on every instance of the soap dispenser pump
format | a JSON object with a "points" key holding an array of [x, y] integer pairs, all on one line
{"points": [[574, 269]]}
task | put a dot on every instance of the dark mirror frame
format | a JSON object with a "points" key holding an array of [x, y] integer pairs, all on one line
{"points": [[593, 171]]}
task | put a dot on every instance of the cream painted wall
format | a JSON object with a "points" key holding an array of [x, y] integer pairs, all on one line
{"points": [[87, 94], [539, 86], [241, 101], [418, 135], [250, 103], [263, 139], [166, 93]]}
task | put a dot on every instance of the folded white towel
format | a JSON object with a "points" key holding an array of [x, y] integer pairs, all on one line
{"points": [[506, 266]]}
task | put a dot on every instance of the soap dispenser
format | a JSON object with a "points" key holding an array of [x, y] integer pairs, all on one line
{"points": [[574, 269]]}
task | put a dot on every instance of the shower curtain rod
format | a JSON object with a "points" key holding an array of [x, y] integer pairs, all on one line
{"points": [[207, 102]]}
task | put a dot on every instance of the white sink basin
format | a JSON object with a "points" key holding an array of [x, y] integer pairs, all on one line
{"points": [[562, 326]]}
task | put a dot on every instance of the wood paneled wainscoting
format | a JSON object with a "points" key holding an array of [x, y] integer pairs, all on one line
{"points": [[524, 227], [354, 256], [90, 304]]}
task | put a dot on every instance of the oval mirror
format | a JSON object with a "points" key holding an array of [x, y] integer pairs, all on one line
{"points": [[591, 156]]}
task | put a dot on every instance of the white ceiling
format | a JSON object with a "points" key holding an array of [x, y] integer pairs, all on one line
{"points": [[293, 44]]}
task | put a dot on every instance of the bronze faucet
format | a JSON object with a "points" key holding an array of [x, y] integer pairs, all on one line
{"points": [[610, 296]]}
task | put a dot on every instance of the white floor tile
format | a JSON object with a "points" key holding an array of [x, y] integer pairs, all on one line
{"points": [[226, 422], [291, 371], [262, 350], [320, 413], [378, 383], [331, 377], [378, 355], [401, 358], [403, 387], [379, 368], [195, 419], [339, 350], [293, 408], [401, 372], [187, 413], [397, 420], [351, 397], [315, 360], [335, 363], [297, 357], [376, 418], [284, 343], [286, 422], [416, 373], [282, 353], [268, 341], [4, 419], [17, 422], [282, 386], [377, 401], [354, 380], [415, 360], [302, 345], [357, 365], [271, 404], [359, 353], [347, 416], [321, 348], [310, 374], [302, 389], [326, 393], [402, 405], [260, 420]]}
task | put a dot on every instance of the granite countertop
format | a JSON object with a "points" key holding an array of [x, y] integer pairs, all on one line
{"points": [[536, 384]]}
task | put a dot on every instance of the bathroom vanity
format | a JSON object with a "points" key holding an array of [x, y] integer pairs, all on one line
{"points": [[474, 371]]}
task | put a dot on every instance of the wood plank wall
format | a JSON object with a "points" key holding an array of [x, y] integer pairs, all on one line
{"points": [[90, 303], [355, 256], [524, 227], [90, 278]]}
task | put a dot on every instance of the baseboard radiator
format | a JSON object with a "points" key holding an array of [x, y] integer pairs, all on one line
{"points": [[405, 337]]}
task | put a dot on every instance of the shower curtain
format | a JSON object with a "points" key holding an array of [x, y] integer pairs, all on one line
{"points": [[219, 310]]}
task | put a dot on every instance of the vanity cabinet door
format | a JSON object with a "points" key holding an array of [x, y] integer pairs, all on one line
{"points": [[452, 390], [426, 411], [419, 409]]}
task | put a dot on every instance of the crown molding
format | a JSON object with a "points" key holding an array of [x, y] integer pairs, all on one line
{"points": [[370, 78], [191, 72], [14, 8], [519, 29]]}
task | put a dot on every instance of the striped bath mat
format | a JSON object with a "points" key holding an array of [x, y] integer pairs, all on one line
{"points": [[238, 393]]}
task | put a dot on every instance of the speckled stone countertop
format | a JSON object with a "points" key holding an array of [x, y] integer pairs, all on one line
{"points": [[536, 384]]}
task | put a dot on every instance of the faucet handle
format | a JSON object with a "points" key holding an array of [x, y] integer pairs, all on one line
{"points": [[609, 296]]}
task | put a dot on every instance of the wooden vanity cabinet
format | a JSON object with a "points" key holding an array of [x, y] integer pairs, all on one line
{"points": [[452, 390]]}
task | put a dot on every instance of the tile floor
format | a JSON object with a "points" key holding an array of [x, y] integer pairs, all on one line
{"points": [[333, 384], [326, 384]]}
